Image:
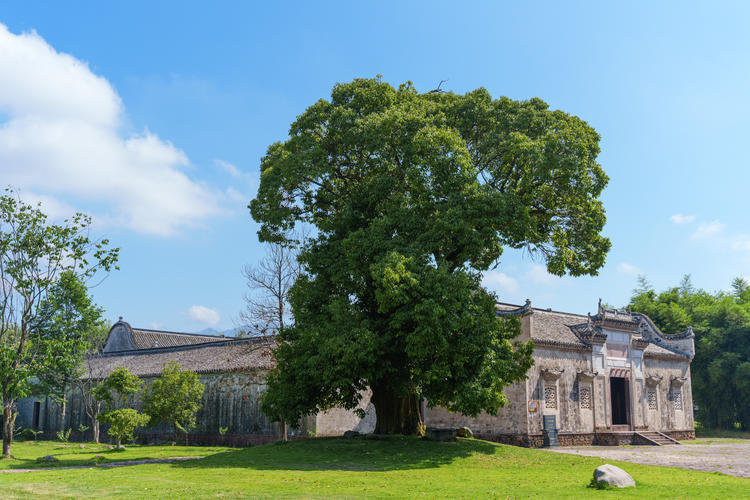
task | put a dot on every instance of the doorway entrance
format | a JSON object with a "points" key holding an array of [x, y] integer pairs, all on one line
{"points": [[618, 388]]}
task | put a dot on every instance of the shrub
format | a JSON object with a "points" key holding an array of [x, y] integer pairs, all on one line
{"points": [[63, 436], [123, 423], [27, 435]]}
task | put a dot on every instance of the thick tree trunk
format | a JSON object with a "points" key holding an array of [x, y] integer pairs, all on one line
{"points": [[9, 419], [284, 436], [95, 430], [395, 413]]}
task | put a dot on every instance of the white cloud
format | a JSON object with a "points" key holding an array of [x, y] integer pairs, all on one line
{"points": [[205, 315], [228, 168], [52, 207], [62, 138], [682, 219], [626, 268], [500, 282], [538, 274], [709, 230]]}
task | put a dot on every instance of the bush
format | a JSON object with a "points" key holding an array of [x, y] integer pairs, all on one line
{"points": [[123, 423], [27, 435], [63, 436]]}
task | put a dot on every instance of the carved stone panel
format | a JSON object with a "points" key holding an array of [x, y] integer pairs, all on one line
{"points": [[584, 396], [550, 397]]}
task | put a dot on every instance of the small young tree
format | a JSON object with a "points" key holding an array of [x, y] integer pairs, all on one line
{"points": [[72, 327], [116, 391], [123, 423], [88, 386], [174, 398]]}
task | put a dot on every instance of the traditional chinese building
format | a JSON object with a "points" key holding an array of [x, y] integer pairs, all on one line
{"points": [[232, 370], [611, 378]]}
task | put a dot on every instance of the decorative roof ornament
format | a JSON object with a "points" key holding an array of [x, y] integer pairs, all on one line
{"points": [[586, 375], [521, 311], [678, 381], [551, 374]]}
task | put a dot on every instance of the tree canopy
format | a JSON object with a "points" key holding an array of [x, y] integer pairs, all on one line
{"points": [[34, 255], [413, 195], [721, 322]]}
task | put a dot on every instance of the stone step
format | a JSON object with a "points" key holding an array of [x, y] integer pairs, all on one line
{"points": [[658, 438]]}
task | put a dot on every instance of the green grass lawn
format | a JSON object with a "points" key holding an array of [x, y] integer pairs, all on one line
{"points": [[334, 467], [72, 454]]}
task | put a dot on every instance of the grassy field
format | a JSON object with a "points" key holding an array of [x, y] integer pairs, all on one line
{"points": [[709, 436], [75, 454], [334, 467]]}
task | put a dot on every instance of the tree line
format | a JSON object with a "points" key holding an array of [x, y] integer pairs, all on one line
{"points": [[721, 322]]}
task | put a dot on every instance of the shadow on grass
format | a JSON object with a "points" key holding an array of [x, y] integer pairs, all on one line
{"points": [[338, 454], [91, 454]]}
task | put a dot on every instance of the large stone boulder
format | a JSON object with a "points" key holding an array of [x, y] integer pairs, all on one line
{"points": [[46, 459], [612, 476], [464, 432]]}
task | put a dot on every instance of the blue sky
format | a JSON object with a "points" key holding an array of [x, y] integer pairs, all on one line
{"points": [[152, 116]]}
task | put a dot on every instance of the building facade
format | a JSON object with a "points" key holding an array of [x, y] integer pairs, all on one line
{"points": [[232, 370], [611, 378]]}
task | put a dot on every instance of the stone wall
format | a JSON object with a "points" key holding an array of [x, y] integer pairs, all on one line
{"points": [[570, 416], [336, 421], [230, 400], [668, 416], [509, 420]]}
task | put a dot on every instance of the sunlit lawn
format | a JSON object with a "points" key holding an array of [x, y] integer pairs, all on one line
{"points": [[25, 454], [334, 467]]}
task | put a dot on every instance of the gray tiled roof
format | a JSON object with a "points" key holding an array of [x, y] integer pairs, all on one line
{"points": [[146, 339], [653, 350], [221, 356], [564, 329], [555, 326], [551, 326]]}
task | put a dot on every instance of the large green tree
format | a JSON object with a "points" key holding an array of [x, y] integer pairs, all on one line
{"points": [[721, 322], [413, 195], [34, 254]]}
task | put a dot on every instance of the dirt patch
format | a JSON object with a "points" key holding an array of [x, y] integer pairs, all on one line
{"points": [[720, 455]]}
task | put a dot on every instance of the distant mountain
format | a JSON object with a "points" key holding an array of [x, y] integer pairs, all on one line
{"points": [[227, 333]]}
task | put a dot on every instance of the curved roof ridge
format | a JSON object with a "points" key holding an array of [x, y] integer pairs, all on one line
{"points": [[184, 347], [170, 332]]}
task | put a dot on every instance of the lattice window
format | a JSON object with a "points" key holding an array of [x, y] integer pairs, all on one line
{"points": [[550, 397], [584, 396], [677, 400], [651, 395]]}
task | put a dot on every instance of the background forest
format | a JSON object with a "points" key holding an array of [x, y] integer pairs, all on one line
{"points": [[721, 322]]}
